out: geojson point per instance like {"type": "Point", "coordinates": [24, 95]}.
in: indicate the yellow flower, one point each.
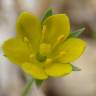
{"type": "Point", "coordinates": [43, 50]}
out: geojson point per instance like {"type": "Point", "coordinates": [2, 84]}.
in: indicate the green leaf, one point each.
{"type": "Point", "coordinates": [74, 68]}
{"type": "Point", "coordinates": [38, 82]}
{"type": "Point", "coordinates": [77, 33]}
{"type": "Point", "coordinates": [47, 14]}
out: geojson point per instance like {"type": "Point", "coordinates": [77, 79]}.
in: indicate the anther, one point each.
{"type": "Point", "coordinates": [61, 54]}
{"type": "Point", "coordinates": [60, 38]}
{"type": "Point", "coordinates": [48, 61]}
{"type": "Point", "coordinates": [31, 56]}
{"type": "Point", "coordinates": [26, 39]}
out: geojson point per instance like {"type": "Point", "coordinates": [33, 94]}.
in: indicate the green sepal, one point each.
{"type": "Point", "coordinates": [74, 68]}
{"type": "Point", "coordinates": [38, 82]}
{"type": "Point", "coordinates": [47, 14]}
{"type": "Point", "coordinates": [77, 33]}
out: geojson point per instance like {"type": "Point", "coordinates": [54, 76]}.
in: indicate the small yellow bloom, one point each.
{"type": "Point", "coordinates": [43, 50]}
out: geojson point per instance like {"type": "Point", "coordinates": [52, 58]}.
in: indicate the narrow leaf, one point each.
{"type": "Point", "coordinates": [47, 14]}
{"type": "Point", "coordinates": [77, 33]}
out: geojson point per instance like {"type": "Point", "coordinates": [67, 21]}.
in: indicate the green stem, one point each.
{"type": "Point", "coordinates": [27, 87]}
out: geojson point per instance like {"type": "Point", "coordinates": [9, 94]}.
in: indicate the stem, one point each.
{"type": "Point", "coordinates": [27, 87]}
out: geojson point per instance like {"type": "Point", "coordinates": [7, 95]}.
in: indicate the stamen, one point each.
{"type": "Point", "coordinates": [48, 62]}
{"type": "Point", "coordinates": [61, 55]}
{"type": "Point", "coordinates": [32, 58]}
{"type": "Point", "coordinates": [26, 39]}
{"type": "Point", "coordinates": [43, 32]}
{"type": "Point", "coordinates": [60, 39]}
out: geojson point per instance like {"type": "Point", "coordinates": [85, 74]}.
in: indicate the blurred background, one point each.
{"type": "Point", "coordinates": [82, 13]}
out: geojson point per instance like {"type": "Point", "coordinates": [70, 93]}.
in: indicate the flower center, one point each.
{"type": "Point", "coordinates": [43, 52]}
{"type": "Point", "coordinates": [41, 58]}
{"type": "Point", "coordinates": [45, 49]}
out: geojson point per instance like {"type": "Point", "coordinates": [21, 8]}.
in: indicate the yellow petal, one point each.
{"type": "Point", "coordinates": [34, 70]}
{"type": "Point", "coordinates": [56, 26]}
{"type": "Point", "coordinates": [16, 50]}
{"type": "Point", "coordinates": [73, 48]}
{"type": "Point", "coordinates": [29, 26]}
{"type": "Point", "coordinates": [57, 70]}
